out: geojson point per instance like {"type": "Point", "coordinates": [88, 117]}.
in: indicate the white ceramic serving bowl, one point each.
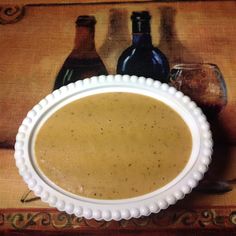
{"type": "Point", "coordinates": [143, 205]}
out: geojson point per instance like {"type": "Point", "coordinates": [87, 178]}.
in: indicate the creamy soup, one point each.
{"type": "Point", "coordinates": [113, 146]}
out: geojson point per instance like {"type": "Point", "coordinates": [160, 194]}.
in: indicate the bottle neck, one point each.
{"type": "Point", "coordinates": [141, 33]}
{"type": "Point", "coordinates": [142, 40]}
{"type": "Point", "coordinates": [167, 25]}
{"type": "Point", "coordinates": [84, 40]}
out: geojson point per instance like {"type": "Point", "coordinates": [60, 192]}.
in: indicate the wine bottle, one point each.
{"type": "Point", "coordinates": [142, 58]}
{"type": "Point", "coordinates": [84, 60]}
{"type": "Point", "coordinates": [170, 42]}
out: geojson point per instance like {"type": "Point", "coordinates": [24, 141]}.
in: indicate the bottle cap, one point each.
{"type": "Point", "coordinates": [140, 15]}
{"type": "Point", "coordinates": [85, 20]}
{"type": "Point", "coordinates": [141, 22]}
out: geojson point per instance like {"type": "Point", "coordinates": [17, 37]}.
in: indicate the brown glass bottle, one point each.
{"type": "Point", "coordinates": [84, 60]}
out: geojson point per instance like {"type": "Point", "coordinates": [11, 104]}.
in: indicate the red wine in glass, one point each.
{"type": "Point", "coordinates": [204, 84]}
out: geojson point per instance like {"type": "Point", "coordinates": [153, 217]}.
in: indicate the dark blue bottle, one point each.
{"type": "Point", "coordinates": [142, 58]}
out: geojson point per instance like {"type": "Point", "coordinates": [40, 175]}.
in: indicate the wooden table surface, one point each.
{"type": "Point", "coordinates": [36, 37]}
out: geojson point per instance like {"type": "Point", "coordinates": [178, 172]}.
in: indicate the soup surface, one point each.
{"type": "Point", "coordinates": [113, 146]}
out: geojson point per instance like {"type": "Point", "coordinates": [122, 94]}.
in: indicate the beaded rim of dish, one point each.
{"type": "Point", "coordinates": [110, 211]}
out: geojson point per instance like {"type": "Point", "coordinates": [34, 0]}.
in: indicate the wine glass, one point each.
{"type": "Point", "coordinates": [203, 83]}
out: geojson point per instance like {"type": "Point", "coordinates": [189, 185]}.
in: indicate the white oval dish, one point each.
{"type": "Point", "coordinates": [107, 210]}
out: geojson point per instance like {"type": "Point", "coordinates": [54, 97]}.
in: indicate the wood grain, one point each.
{"type": "Point", "coordinates": [37, 2]}
{"type": "Point", "coordinates": [34, 48]}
